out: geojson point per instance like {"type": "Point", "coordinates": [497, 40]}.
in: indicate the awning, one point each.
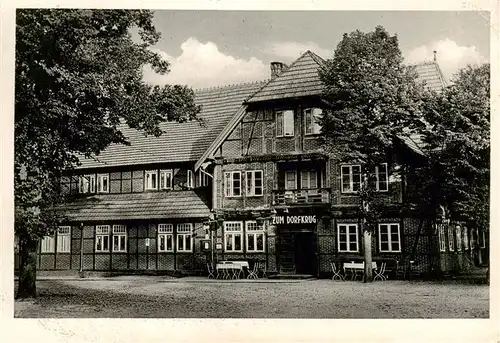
{"type": "Point", "coordinates": [146, 205]}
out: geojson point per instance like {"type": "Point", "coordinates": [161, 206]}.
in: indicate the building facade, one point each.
{"type": "Point", "coordinates": [252, 183]}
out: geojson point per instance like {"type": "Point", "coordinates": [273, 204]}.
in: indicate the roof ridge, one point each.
{"type": "Point", "coordinates": [202, 89]}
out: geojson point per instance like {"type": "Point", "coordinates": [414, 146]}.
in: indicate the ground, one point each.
{"type": "Point", "coordinates": [161, 297]}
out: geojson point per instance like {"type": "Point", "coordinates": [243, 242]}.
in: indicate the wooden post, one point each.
{"type": "Point", "coordinates": [81, 249]}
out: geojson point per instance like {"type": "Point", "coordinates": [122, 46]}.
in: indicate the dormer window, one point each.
{"type": "Point", "coordinates": [284, 123]}
{"type": "Point", "coordinates": [165, 179]}
{"type": "Point", "coordinates": [190, 179]}
{"type": "Point", "coordinates": [151, 180]}
{"type": "Point", "coordinates": [102, 183]}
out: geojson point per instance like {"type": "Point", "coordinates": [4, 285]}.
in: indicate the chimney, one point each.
{"type": "Point", "coordinates": [435, 55]}
{"type": "Point", "coordinates": [277, 68]}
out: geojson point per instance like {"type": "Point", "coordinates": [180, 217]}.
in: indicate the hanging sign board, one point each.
{"type": "Point", "coordinates": [294, 220]}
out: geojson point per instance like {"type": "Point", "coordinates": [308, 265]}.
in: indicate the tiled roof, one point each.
{"type": "Point", "coordinates": [180, 141]}
{"type": "Point", "coordinates": [146, 205]}
{"type": "Point", "coordinates": [430, 74]}
{"type": "Point", "coordinates": [300, 79]}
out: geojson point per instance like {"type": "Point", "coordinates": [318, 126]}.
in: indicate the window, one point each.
{"type": "Point", "coordinates": [64, 239]}
{"type": "Point", "coordinates": [451, 241]}
{"type": "Point", "coordinates": [47, 244]}
{"type": "Point", "coordinates": [254, 183]}
{"type": "Point", "coordinates": [119, 238]}
{"type": "Point", "coordinates": [151, 180]}
{"type": "Point", "coordinates": [284, 123]}
{"type": "Point", "coordinates": [382, 178]}
{"type": "Point", "coordinates": [165, 179]}
{"type": "Point", "coordinates": [102, 238]}
{"type": "Point", "coordinates": [232, 236]}
{"type": "Point", "coordinates": [184, 237]}
{"type": "Point", "coordinates": [351, 178]}
{"type": "Point", "coordinates": [466, 239]}
{"type": "Point", "coordinates": [308, 179]}
{"type": "Point", "coordinates": [312, 117]}
{"type": "Point", "coordinates": [203, 179]}
{"type": "Point", "coordinates": [102, 183]}
{"type": "Point", "coordinates": [255, 237]}
{"type": "Point", "coordinates": [190, 180]}
{"type": "Point", "coordinates": [347, 237]}
{"type": "Point", "coordinates": [232, 184]}
{"type": "Point", "coordinates": [290, 180]}
{"type": "Point", "coordinates": [458, 234]}
{"type": "Point", "coordinates": [441, 237]}
{"type": "Point", "coordinates": [86, 184]}
{"type": "Point", "coordinates": [389, 238]}
{"type": "Point", "coordinates": [483, 239]}
{"type": "Point", "coordinates": [165, 237]}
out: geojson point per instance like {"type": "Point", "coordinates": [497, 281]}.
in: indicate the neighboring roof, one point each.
{"type": "Point", "coordinates": [145, 205]}
{"type": "Point", "coordinates": [300, 79]}
{"type": "Point", "coordinates": [180, 141]}
{"type": "Point", "coordinates": [430, 74]}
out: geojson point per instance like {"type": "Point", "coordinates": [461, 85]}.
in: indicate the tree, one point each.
{"type": "Point", "coordinates": [78, 78]}
{"type": "Point", "coordinates": [371, 98]}
{"type": "Point", "coordinates": [457, 143]}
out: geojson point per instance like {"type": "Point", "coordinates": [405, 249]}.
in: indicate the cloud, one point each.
{"type": "Point", "coordinates": [292, 50]}
{"type": "Point", "coordinates": [450, 56]}
{"type": "Point", "coordinates": [203, 65]}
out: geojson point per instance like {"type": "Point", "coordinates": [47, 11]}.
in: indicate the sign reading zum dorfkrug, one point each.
{"type": "Point", "coordinates": [290, 220]}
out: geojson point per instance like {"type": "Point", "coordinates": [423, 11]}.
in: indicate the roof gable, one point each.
{"type": "Point", "coordinates": [300, 79]}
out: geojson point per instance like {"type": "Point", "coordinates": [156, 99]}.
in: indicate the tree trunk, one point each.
{"type": "Point", "coordinates": [367, 244]}
{"type": "Point", "coordinates": [27, 270]}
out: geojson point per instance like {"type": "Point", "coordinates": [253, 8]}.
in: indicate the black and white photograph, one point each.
{"type": "Point", "coordinates": [250, 164]}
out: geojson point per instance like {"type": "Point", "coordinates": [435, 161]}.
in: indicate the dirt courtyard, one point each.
{"type": "Point", "coordinates": [160, 297]}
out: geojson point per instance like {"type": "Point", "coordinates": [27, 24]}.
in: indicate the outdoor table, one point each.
{"type": "Point", "coordinates": [231, 267]}
{"type": "Point", "coordinates": [357, 268]}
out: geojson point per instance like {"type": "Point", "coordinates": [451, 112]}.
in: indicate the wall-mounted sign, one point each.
{"type": "Point", "coordinates": [293, 220]}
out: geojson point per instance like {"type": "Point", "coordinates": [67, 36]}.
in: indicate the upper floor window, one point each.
{"type": "Point", "coordinates": [351, 178]}
{"type": "Point", "coordinates": [232, 184]}
{"type": "Point", "coordinates": [284, 123]}
{"type": "Point", "coordinates": [254, 183]}
{"type": "Point", "coordinates": [389, 238]}
{"type": "Point", "coordinates": [165, 179]}
{"type": "Point", "coordinates": [64, 239]}
{"type": "Point", "coordinates": [347, 237]}
{"type": "Point", "coordinates": [86, 184]}
{"type": "Point", "coordinates": [102, 183]}
{"type": "Point", "coordinates": [382, 178]}
{"type": "Point", "coordinates": [190, 179]}
{"type": "Point", "coordinates": [203, 179]}
{"type": "Point", "coordinates": [151, 180]}
{"type": "Point", "coordinates": [312, 117]}
{"type": "Point", "coordinates": [308, 179]}
{"type": "Point", "coordinates": [291, 179]}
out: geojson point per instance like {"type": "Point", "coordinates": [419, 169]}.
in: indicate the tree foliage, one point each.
{"type": "Point", "coordinates": [457, 142]}
{"type": "Point", "coordinates": [78, 79]}
{"type": "Point", "coordinates": [371, 98]}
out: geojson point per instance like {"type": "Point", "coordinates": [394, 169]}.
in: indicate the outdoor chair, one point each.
{"type": "Point", "coordinates": [252, 273]}
{"type": "Point", "coordinates": [210, 269]}
{"type": "Point", "coordinates": [380, 273]}
{"type": "Point", "coordinates": [262, 268]}
{"type": "Point", "coordinates": [336, 273]}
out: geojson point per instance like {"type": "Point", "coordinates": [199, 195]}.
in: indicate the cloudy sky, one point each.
{"type": "Point", "coordinates": [212, 48]}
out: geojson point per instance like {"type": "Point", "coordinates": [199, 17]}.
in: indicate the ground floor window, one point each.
{"type": "Point", "coordinates": [255, 237]}
{"type": "Point", "coordinates": [119, 238]}
{"type": "Point", "coordinates": [64, 239]}
{"type": "Point", "coordinates": [389, 238]}
{"type": "Point", "coordinates": [466, 239]}
{"type": "Point", "coordinates": [347, 238]}
{"type": "Point", "coordinates": [184, 237]}
{"type": "Point", "coordinates": [233, 236]}
{"type": "Point", "coordinates": [451, 241]}
{"type": "Point", "coordinates": [102, 238]}
{"type": "Point", "coordinates": [165, 238]}
{"type": "Point", "coordinates": [441, 237]}
{"type": "Point", "coordinates": [47, 244]}
{"type": "Point", "coordinates": [458, 234]}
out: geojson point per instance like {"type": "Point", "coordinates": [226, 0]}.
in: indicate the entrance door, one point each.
{"type": "Point", "coordinates": [305, 258]}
